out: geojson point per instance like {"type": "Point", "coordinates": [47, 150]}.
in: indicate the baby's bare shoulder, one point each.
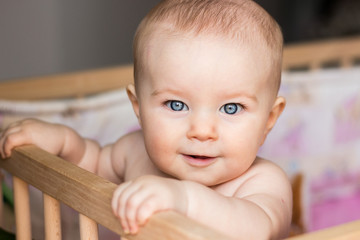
{"type": "Point", "coordinates": [132, 141]}
{"type": "Point", "coordinates": [131, 148]}
{"type": "Point", "coordinates": [127, 146]}
{"type": "Point", "coordinates": [263, 177]}
{"type": "Point", "coordinates": [265, 174]}
{"type": "Point", "coordinates": [266, 167]}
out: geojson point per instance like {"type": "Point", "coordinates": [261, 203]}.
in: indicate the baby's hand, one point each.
{"type": "Point", "coordinates": [31, 131]}
{"type": "Point", "coordinates": [135, 201]}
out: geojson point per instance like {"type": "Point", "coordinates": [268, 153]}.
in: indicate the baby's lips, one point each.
{"type": "Point", "coordinates": [199, 156]}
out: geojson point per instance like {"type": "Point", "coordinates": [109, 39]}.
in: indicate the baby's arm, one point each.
{"type": "Point", "coordinates": [259, 209]}
{"type": "Point", "coordinates": [108, 162]}
{"type": "Point", "coordinates": [256, 206]}
{"type": "Point", "coordinates": [111, 164]}
{"type": "Point", "coordinates": [54, 138]}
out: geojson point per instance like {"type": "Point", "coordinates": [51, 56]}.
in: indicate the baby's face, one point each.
{"type": "Point", "coordinates": [204, 107]}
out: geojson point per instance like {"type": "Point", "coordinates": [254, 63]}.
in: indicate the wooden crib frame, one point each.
{"type": "Point", "coordinates": [64, 182]}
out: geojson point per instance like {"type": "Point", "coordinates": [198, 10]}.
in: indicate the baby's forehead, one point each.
{"type": "Point", "coordinates": [211, 51]}
{"type": "Point", "coordinates": [158, 34]}
{"type": "Point", "coordinates": [160, 40]}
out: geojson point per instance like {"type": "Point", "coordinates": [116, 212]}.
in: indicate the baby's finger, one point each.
{"type": "Point", "coordinates": [116, 197]}
{"type": "Point", "coordinates": [4, 140]}
{"type": "Point", "coordinates": [145, 210]}
{"type": "Point", "coordinates": [10, 128]}
{"type": "Point", "coordinates": [2, 153]}
{"type": "Point", "coordinates": [118, 203]}
{"type": "Point", "coordinates": [12, 140]}
{"type": "Point", "coordinates": [13, 124]}
{"type": "Point", "coordinates": [2, 144]}
{"type": "Point", "coordinates": [131, 209]}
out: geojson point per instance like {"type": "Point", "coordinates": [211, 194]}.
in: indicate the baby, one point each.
{"type": "Point", "coordinates": [207, 74]}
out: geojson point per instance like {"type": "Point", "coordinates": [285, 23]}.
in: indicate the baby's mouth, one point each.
{"type": "Point", "coordinates": [200, 157]}
{"type": "Point", "coordinates": [199, 160]}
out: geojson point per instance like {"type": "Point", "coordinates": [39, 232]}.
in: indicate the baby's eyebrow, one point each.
{"type": "Point", "coordinates": [165, 90]}
{"type": "Point", "coordinates": [243, 95]}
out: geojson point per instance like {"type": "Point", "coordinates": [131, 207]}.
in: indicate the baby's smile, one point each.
{"type": "Point", "coordinates": [199, 160]}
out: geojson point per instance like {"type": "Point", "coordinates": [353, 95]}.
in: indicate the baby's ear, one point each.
{"type": "Point", "coordinates": [130, 90]}
{"type": "Point", "coordinates": [274, 114]}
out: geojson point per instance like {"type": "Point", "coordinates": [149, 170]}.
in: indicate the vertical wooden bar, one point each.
{"type": "Point", "coordinates": [22, 209]}
{"type": "Point", "coordinates": [52, 218]}
{"type": "Point", "coordinates": [88, 228]}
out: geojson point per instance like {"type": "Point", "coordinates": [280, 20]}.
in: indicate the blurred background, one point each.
{"type": "Point", "coordinates": [42, 37]}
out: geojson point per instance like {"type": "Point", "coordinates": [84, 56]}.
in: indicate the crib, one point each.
{"type": "Point", "coordinates": [60, 181]}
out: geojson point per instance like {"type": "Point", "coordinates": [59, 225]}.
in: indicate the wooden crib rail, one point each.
{"type": "Point", "coordinates": [344, 52]}
{"type": "Point", "coordinates": [67, 85]}
{"type": "Point", "coordinates": [91, 195]}
{"type": "Point", "coordinates": [347, 231]}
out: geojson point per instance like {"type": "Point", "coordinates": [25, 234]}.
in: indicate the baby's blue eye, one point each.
{"type": "Point", "coordinates": [231, 108]}
{"type": "Point", "coordinates": [176, 105]}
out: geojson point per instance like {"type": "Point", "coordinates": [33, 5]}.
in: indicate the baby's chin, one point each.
{"type": "Point", "coordinates": [208, 180]}
{"type": "Point", "coordinates": [204, 176]}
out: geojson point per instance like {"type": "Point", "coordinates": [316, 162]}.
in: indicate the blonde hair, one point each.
{"type": "Point", "coordinates": [242, 21]}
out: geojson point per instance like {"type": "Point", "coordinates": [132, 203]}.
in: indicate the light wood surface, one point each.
{"type": "Point", "coordinates": [91, 195]}
{"type": "Point", "coordinates": [22, 208]}
{"type": "Point", "coordinates": [68, 85]}
{"type": "Point", "coordinates": [347, 231]}
{"type": "Point", "coordinates": [52, 218]}
{"type": "Point", "coordinates": [88, 228]}
{"type": "Point", "coordinates": [314, 55]}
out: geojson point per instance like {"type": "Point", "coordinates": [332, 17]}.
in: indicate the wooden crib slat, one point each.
{"type": "Point", "coordinates": [22, 209]}
{"type": "Point", "coordinates": [88, 228]}
{"type": "Point", "coordinates": [52, 218]}
{"type": "Point", "coordinates": [91, 195]}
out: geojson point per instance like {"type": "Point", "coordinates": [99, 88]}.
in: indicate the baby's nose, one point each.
{"type": "Point", "coordinates": [203, 127]}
